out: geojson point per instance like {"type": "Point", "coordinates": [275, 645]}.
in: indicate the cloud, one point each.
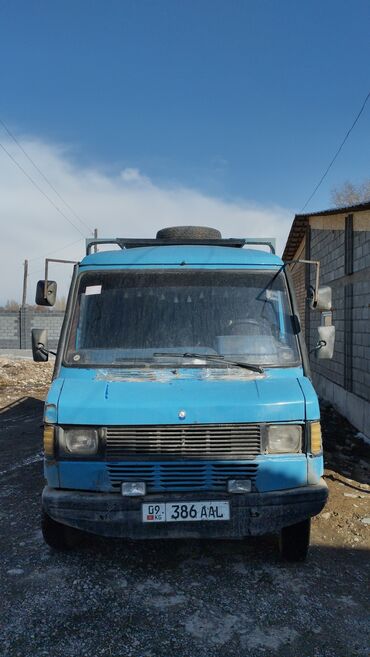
{"type": "Point", "coordinates": [128, 204]}
{"type": "Point", "coordinates": [134, 176]}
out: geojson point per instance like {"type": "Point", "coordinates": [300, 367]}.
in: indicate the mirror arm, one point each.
{"type": "Point", "coordinates": [320, 344]}
{"type": "Point", "coordinates": [46, 352]}
{"type": "Point", "coordinates": [47, 260]}
{"type": "Point", "coordinates": [317, 275]}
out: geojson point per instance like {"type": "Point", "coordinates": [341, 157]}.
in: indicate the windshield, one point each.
{"type": "Point", "coordinates": [152, 317]}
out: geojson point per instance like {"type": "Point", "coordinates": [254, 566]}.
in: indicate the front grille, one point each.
{"type": "Point", "coordinates": [239, 441]}
{"type": "Point", "coordinates": [177, 477]}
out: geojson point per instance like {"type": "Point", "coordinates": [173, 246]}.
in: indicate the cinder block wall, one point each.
{"type": "Point", "coordinates": [327, 246]}
{"type": "Point", "coordinates": [342, 244]}
{"type": "Point", "coordinates": [52, 321]}
{"type": "Point", "coordinates": [15, 327]}
{"type": "Point", "coordinates": [9, 330]}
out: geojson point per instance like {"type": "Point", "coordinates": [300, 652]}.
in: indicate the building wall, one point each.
{"type": "Point", "coordinates": [9, 330]}
{"type": "Point", "coordinates": [342, 244]}
{"type": "Point", "coordinates": [15, 327]}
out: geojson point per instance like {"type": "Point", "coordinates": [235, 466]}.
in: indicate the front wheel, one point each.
{"type": "Point", "coordinates": [295, 540]}
{"type": "Point", "coordinates": [58, 536]}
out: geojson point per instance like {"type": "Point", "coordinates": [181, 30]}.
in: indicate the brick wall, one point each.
{"type": "Point", "coordinates": [15, 327]}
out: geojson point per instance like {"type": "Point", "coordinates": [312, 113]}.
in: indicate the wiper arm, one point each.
{"type": "Point", "coordinates": [222, 359]}
{"type": "Point", "coordinates": [215, 357]}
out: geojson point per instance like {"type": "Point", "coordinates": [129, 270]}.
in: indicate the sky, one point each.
{"type": "Point", "coordinates": [146, 113]}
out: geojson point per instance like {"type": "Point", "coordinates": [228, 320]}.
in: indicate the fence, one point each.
{"type": "Point", "coordinates": [15, 327]}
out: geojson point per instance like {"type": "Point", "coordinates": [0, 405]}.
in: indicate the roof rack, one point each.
{"type": "Point", "coordinates": [131, 243]}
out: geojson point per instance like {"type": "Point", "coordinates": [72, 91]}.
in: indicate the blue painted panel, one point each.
{"type": "Point", "coordinates": [180, 476]}
{"type": "Point", "coordinates": [84, 475]}
{"type": "Point", "coordinates": [268, 473]}
{"type": "Point", "coordinates": [174, 255]}
{"type": "Point", "coordinates": [177, 265]}
{"type": "Point", "coordinates": [279, 472]}
{"type": "Point", "coordinates": [51, 473]}
{"type": "Point", "coordinates": [53, 398]}
{"type": "Point", "coordinates": [50, 413]}
{"type": "Point", "coordinates": [312, 402]}
{"type": "Point", "coordinates": [315, 469]}
{"type": "Point", "coordinates": [156, 402]}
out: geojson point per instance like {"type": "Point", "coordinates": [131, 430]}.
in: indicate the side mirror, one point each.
{"type": "Point", "coordinates": [325, 345]}
{"type": "Point", "coordinates": [322, 300]}
{"type": "Point", "coordinates": [40, 345]}
{"type": "Point", "coordinates": [46, 297]}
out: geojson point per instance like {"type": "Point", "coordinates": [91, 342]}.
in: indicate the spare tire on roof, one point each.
{"type": "Point", "coordinates": [188, 232]}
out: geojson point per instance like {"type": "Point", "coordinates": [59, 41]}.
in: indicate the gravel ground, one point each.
{"type": "Point", "coordinates": [183, 599]}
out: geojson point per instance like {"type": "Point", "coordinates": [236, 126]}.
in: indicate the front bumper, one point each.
{"type": "Point", "coordinates": [251, 514]}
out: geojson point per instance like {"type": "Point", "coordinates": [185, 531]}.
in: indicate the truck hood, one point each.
{"type": "Point", "coordinates": [121, 400]}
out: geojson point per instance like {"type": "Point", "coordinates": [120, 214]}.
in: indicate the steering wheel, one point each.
{"type": "Point", "coordinates": [247, 326]}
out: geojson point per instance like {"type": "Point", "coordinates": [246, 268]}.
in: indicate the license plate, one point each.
{"type": "Point", "coordinates": [186, 511]}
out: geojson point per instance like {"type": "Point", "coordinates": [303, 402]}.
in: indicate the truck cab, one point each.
{"type": "Point", "coordinates": [181, 404]}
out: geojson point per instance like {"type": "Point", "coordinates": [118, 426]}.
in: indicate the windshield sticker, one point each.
{"type": "Point", "coordinates": [93, 289]}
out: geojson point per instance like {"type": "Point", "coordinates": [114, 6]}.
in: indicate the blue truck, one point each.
{"type": "Point", "coordinates": [181, 404]}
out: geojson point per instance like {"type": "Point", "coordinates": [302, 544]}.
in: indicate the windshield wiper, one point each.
{"type": "Point", "coordinates": [210, 357]}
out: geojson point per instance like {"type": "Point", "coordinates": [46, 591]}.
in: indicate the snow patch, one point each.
{"type": "Point", "coordinates": [362, 437]}
{"type": "Point", "coordinates": [215, 630]}
{"type": "Point", "coordinates": [28, 461]}
{"type": "Point", "coordinates": [15, 571]}
{"type": "Point", "coordinates": [271, 638]}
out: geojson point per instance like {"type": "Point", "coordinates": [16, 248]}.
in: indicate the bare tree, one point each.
{"type": "Point", "coordinates": [350, 194]}
{"type": "Point", "coordinates": [11, 305]}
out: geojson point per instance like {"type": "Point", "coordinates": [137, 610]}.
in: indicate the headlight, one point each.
{"type": "Point", "coordinates": [284, 438]}
{"type": "Point", "coordinates": [82, 441]}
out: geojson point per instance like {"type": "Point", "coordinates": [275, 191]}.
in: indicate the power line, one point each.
{"type": "Point", "coordinates": [40, 189]}
{"type": "Point", "coordinates": [43, 176]}
{"type": "Point", "coordinates": [337, 152]}
{"type": "Point", "coordinates": [61, 248]}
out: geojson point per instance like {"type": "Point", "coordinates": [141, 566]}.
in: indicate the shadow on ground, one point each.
{"type": "Point", "coordinates": [344, 453]}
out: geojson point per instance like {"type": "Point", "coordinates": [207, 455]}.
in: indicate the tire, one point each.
{"type": "Point", "coordinates": [188, 232]}
{"type": "Point", "coordinates": [295, 540]}
{"type": "Point", "coordinates": [57, 536]}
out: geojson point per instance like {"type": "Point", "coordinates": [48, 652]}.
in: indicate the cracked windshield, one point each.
{"type": "Point", "coordinates": [156, 318]}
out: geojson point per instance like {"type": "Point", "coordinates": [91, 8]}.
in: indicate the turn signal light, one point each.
{"type": "Point", "coordinates": [316, 440]}
{"type": "Point", "coordinates": [49, 441]}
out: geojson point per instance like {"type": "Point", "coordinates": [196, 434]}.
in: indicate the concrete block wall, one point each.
{"type": "Point", "coordinates": [328, 247]}
{"type": "Point", "coordinates": [361, 339]}
{"type": "Point", "coordinates": [52, 321]}
{"type": "Point", "coordinates": [9, 330]}
{"type": "Point", "coordinates": [361, 249]}
{"type": "Point", "coordinates": [331, 369]}
{"type": "Point", "coordinates": [344, 380]}
{"type": "Point", "coordinates": [15, 327]}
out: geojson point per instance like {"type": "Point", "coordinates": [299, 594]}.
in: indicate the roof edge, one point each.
{"type": "Point", "coordinates": [300, 223]}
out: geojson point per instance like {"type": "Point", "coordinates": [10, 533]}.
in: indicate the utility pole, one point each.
{"type": "Point", "coordinates": [25, 277]}
{"type": "Point", "coordinates": [95, 237]}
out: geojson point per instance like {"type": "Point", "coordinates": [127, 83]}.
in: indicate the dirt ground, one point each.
{"type": "Point", "coordinates": [183, 599]}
